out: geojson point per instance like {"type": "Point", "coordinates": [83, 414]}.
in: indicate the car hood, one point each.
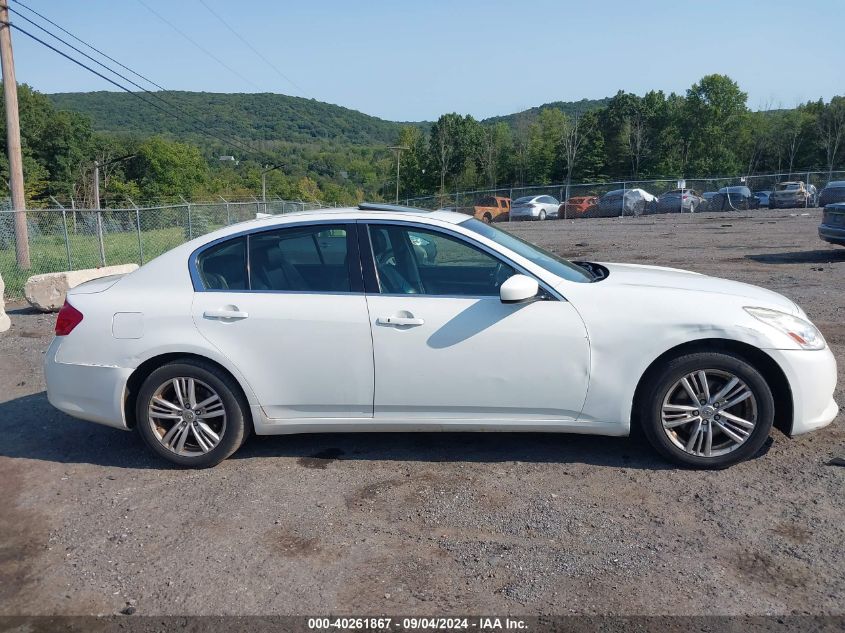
{"type": "Point", "coordinates": [684, 280]}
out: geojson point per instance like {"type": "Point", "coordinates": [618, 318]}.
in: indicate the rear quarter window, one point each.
{"type": "Point", "coordinates": [223, 266]}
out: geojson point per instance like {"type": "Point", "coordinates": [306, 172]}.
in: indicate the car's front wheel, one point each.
{"type": "Point", "coordinates": [707, 410]}
{"type": "Point", "coordinates": [191, 414]}
{"type": "Point", "coordinates": [542, 215]}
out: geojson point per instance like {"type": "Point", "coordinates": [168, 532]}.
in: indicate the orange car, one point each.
{"type": "Point", "coordinates": [578, 205]}
{"type": "Point", "coordinates": [492, 209]}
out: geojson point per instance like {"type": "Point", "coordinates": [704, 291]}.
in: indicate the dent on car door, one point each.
{"type": "Point", "coordinates": [447, 348]}
{"type": "Point", "coordinates": [294, 320]}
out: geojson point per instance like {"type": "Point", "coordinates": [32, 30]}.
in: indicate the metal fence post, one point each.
{"type": "Point", "coordinates": [64, 226]}
{"type": "Point", "coordinates": [228, 217]}
{"type": "Point", "coordinates": [67, 239]}
{"type": "Point", "coordinates": [138, 225]}
{"type": "Point", "coordinates": [190, 225]}
{"type": "Point", "coordinates": [100, 238]}
{"type": "Point", "coordinates": [622, 211]}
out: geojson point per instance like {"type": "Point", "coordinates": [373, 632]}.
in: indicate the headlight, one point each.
{"type": "Point", "coordinates": [802, 332]}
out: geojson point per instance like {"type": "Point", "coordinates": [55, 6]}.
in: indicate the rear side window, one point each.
{"type": "Point", "coordinates": [223, 267]}
{"type": "Point", "coordinates": [309, 259]}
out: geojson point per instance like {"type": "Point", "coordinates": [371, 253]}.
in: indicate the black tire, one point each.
{"type": "Point", "coordinates": [661, 382]}
{"type": "Point", "coordinates": [237, 426]}
{"type": "Point", "coordinates": [542, 215]}
{"type": "Point", "coordinates": [487, 219]}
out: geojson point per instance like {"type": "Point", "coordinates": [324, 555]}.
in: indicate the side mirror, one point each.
{"type": "Point", "coordinates": [519, 289]}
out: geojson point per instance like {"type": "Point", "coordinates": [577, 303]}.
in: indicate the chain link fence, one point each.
{"type": "Point", "coordinates": [622, 198]}
{"type": "Point", "coordinates": [72, 239]}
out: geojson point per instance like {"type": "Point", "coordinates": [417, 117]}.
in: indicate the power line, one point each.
{"type": "Point", "coordinates": [252, 48]}
{"type": "Point", "coordinates": [125, 89]}
{"type": "Point", "coordinates": [231, 141]}
{"type": "Point", "coordinates": [65, 31]}
{"type": "Point", "coordinates": [197, 44]}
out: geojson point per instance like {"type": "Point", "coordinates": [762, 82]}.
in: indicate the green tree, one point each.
{"type": "Point", "coordinates": [714, 112]}
{"type": "Point", "coordinates": [169, 169]}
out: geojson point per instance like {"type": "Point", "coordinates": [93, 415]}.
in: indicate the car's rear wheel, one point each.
{"type": "Point", "coordinates": [191, 414]}
{"type": "Point", "coordinates": [707, 410]}
{"type": "Point", "coordinates": [487, 218]}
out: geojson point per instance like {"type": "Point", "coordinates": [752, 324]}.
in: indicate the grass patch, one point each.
{"type": "Point", "coordinates": [48, 253]}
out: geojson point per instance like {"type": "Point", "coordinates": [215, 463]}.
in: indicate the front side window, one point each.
{"type": "Point", "coordinates": [536, 255]}
{"type": "Point", "coordinates": [223, 266]}
{"type": "Point", "coordinates": [308, 259]}
{"type": "Point", "coordinates": [411, 260]}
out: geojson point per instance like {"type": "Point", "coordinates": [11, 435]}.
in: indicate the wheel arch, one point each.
{"type": "Point", "coordinates": [762, 362]}
{"type": "Point", "coordinates": [136, 379]}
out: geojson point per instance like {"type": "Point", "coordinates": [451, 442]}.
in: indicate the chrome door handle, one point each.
{"type": "Point", "coordinates": [225, 314]}
{"type": "Point", "coordinates": [396, 320]}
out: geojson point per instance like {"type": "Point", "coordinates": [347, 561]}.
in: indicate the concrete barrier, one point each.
{"type": "Point", "coordinates": [5, 323]}
{"type": "Point", "coordinates": [47, 292]}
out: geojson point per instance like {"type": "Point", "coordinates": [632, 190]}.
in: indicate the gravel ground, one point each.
{"type": "Point", "coordinates": [439, 524]}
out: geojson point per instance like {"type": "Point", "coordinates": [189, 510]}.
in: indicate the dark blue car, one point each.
{"type": "Point", "coordinates": [832, 228]}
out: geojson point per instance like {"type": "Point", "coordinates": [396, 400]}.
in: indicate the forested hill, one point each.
{"type": "Point", "coordinates": [260, 117]}
{"type": "Point", "coordinates": [521, 120]}
{"type": "Point", "coordinates": [248, 116]}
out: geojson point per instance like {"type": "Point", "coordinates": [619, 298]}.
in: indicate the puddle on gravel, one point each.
{"type": "Point", "coordinates": [321, 459]}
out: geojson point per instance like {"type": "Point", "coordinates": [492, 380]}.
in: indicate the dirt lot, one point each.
{"type": "Point", "coordinates": [439, 524]}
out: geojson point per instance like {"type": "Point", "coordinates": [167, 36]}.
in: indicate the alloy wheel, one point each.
{"type": "Point", "coordinates": [187, 416]}
{"type": "Point", "coordinates": [709, 412]}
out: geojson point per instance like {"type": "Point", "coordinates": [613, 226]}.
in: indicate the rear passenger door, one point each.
{"type": "Point", "coordinates": [287, 307]}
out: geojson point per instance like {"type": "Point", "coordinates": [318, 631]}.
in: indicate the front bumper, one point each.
{"type": "Point", "coordinates": [812, 378]}
{"type": "Point", "coordinates": [791, 202]}
{"type": "Point", "coordinates": [89, 392]}
{"type": "Point", "coordinates": [832, 234]}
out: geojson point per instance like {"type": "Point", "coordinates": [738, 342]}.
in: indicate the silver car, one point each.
{"type": "Point", "coordinates": [534, 208]}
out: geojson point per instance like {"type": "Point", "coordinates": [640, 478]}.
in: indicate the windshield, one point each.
{"type": "Point", "coordinates": [536, 255]}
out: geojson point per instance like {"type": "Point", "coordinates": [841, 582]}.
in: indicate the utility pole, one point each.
{"type": "Point", "coordinates": [267, 170]}
{"type": "Point", "coordinates": [398, 149]}
{"type": "Point", "coordinates": [13, 138]}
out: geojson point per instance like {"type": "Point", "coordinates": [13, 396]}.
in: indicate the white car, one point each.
{"type": "Point", "coordinates": [534, 208]}
{"type": "Point", "coordinates": [383, 319]}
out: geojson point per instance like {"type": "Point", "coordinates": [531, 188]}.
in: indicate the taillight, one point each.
{"type": "Point", "coordinates": [69, 317]}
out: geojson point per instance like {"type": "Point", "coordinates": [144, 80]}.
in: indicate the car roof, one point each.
{"type": "Point", "coordinates": [366, 211]}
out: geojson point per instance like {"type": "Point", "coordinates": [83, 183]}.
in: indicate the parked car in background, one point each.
{"type": "Point", "coordinates": [492, 209]}
{"type": "Point", "coordinates": [762, 198]}
{"type": "Point", "coordinates": [733, 199]}
{"type": "Point", "coordinates": [534, 208]}
{"type": "Point", "coordinates": [792, 194]}
{"type": "Point", "coordinates": [625, 202]}
{"type": "Point", "coordinates": [832, 228]}
{"type": "Point", "coordinates": [834, 191]}
{"type": "Point", "coordinates": [707, 196]}
{"type": "Point", "coordinates": [679, 200]}
{"type": "Point", "coordinates": [331, 321]}
{"type": "Point", "coordinates": [578, 205]}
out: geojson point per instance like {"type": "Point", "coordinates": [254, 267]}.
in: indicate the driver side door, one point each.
{"type": "Point", "coordinates": [446, 348]}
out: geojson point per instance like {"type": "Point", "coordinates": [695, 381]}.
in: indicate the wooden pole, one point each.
{"type": "Point", "coordinates": [13, 138]}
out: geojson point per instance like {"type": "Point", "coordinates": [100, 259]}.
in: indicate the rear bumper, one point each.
{"type": "Point", "coordinates": [812, 378]}
{"type": "Point", "coordinates": [520, 214]}
{"type": "Point", "coordinates": [88, 392]}
{"type": "Point", "coordinates": [832, 234]}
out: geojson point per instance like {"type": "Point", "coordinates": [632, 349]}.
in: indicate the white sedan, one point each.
{"type": "Point", "coordinates": [534, 208]}
{"type": "Point", "coordinates": [384, 319]}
